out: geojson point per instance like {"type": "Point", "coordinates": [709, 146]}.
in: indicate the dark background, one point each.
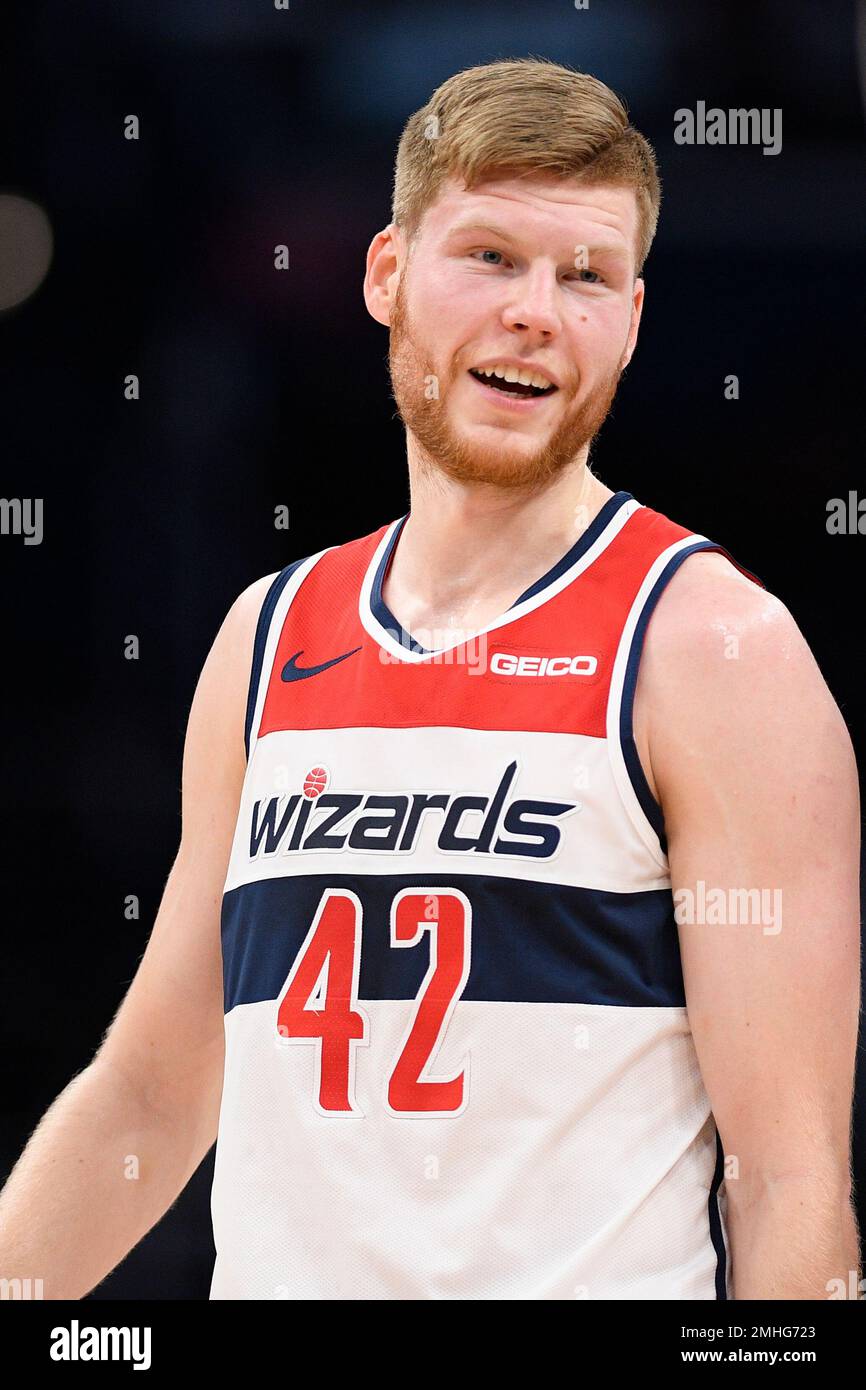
{"type": "Point", "coordinates": [261, 388]}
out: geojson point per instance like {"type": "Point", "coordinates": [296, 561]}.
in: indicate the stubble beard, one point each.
{"type": "Point", "coordinates": [421, 399]}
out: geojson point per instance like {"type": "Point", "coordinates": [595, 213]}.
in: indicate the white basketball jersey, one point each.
{"type": "Point", "coordinates": [458, 1059]}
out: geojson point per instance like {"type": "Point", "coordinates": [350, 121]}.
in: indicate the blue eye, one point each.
{"type": "Point", "coordinates": [585, 271]}
{"type": "Point", "coordinates": [486, 254]}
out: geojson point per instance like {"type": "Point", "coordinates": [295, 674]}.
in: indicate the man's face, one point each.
{"type": "Point", "coordinates": [518, 273]}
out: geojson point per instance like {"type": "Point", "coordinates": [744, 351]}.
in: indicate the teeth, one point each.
{"type": "Point", "coordinates": [524, 377]}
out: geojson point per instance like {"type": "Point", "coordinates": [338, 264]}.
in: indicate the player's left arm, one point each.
{"type": "Point", "coordinates": [752, 763]}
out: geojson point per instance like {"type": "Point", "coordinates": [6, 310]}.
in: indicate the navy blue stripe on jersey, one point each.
{"type": "Point", "coordinates": [648, 803]}
{"type": "Point", "coordinates": [580, 547]}
{"type": "Point", "coordinates": [270, 603]}
{"type": "Point", "coordinates": [379, 607]}
{"type": "Point", "coordinates": [716, 1235]}
{"type": "Point", "coordinates": [531, 942]}
{"type": "Point", "coordinates": [383, 614]}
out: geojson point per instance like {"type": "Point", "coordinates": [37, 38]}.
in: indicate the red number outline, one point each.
{"type": "Point", "coordinates": [327, 1085]}
{"type": "Point", "coordinates": [417, 1051]}
{"type": "Point", "coordinates": [409, 1091]}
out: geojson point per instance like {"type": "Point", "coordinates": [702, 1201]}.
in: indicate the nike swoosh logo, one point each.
{"type": "Point", "coordinates": [293, 672]}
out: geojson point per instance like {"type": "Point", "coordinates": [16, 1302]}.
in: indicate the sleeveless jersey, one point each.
{"type": "Point", "coordinates": [458, 1058]}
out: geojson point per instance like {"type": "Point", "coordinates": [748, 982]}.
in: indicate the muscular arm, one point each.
{"type": "Point", "coordinates": [122, 1140]}
{"type": "Point", "coordinates": [751, 761]}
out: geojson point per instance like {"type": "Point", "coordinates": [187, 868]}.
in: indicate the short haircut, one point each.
{"type": "Point", "coordinates": [524, 116]}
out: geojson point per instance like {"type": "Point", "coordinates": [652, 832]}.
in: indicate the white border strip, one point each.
{"type": "Point", "coordinates": [374, 628]}
{"type": "Point", "coordinates": [614, 704]}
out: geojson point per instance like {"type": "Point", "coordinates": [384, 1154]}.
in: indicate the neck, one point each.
{"type": "Point", "coordinates": [468, 551]}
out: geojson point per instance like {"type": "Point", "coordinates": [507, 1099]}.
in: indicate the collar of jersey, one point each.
{"type": "Point", "coordinates": [378, 620]}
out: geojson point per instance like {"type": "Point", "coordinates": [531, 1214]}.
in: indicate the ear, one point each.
{"type": "Point", "coordinates": [636, 311]}
{"type": "Point", "coordinates": [384, 259]}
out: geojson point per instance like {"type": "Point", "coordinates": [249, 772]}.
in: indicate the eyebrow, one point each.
{"type": "Point", "coordinates": [601, 248]}
{"type": "Point", "coordinates": [480, 227]}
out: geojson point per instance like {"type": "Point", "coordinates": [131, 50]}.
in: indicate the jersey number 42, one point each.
{"type": "Point", "coordinates": [319, 1004]}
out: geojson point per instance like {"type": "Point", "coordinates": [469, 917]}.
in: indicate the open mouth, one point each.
{"type": "Point", "coordinates": [513, 382]}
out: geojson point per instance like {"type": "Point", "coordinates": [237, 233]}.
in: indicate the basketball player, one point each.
{"type": "Point", "coordinates": [530, 821]}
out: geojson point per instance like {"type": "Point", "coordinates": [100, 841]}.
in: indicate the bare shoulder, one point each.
{"type": "Point", "coordinates": [725, 666]}
{"type": "Point", "coordinates": [232, 650]}
{"type": "Point", "coordinates": [215, 733]}
{"type": "Point", "coordinates": [714, 625]}
{"type": "Point", "coordinates": [709, 599]}
{"type": "Point", "coordinates": [243, 616]}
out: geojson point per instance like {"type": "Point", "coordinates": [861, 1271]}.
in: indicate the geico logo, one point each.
{"type": "Point", "coordinates": [504, 664]}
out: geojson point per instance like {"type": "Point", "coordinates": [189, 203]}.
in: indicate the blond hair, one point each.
{"type": "Point", "coordinates": [518, 117]}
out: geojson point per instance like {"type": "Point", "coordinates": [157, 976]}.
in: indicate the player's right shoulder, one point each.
{"type": "Point", "coordinates": [242, 619]}
{"type": "Point", "coordinates": [217, 716]}
{"type": "Point", "coordinates": [228, 661]}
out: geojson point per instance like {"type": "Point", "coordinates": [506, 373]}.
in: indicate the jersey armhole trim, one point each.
{"type": "Point", "coordinates": [650, 808]}
{"type": "Point", "coordinates": [717, 1232]}
{"type": "Point", "coordinates": [266, 614]}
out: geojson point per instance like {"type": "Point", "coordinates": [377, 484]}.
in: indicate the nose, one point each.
{"type": "Point", "coordinates": [532, 306]}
